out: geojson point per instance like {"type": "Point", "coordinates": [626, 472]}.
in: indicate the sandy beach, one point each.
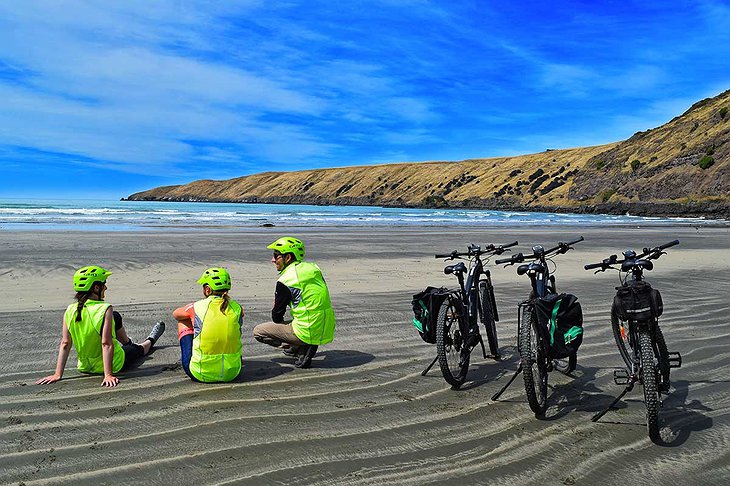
{"type": "Point", "coordinates": [363, 414]}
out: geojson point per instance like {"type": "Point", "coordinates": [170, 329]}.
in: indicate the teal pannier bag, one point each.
{"type": "Point", "coordinates": [561, 322]}
{"type": "Point", "coordinates": [426, 305]}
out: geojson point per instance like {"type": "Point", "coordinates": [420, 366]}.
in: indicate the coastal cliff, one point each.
{"type": "Point", "coordinates": [679, 168]}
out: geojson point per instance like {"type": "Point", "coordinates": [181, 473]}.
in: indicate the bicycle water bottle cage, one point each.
{"type": "Point", "coordinates": [629, 264]}
{"type": "Point", "coordinates": [458, 268]}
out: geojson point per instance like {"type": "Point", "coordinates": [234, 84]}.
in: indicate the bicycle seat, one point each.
{"type": "Point", "coordinates": [458, 268]}
{"type": "Point", "coordinates": [530, 267]}
{"type": "Point", "coordinates": [629, 264]}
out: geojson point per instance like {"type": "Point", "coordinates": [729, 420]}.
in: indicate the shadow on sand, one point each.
{"type": "Point", "coordinates": [336, 358]}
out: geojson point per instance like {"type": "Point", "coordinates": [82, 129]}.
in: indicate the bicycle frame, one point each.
{"type": "Point", "coordinates": [470, 291]}
{"type": "Point", "coordinates": [636, 274]}
{"type": "Point", "coordinates": [457, 327]}
{"type": "Point", "coordinates": [469, 286]}
{"type": "Point", "coordinates": [645, 340]}
{"type": "Point", "coordinates": [542, 283]}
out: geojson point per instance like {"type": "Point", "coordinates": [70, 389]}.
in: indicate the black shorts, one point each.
{"type": "Point", "coordinates": [132, 351]}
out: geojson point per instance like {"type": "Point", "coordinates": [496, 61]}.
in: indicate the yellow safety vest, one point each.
{"type": "Point", "coordinates": [216, 341]}
{"type": "Point", "coordinates": [313, 319]}
{"type": "Point", "coordinates": [86, 336]}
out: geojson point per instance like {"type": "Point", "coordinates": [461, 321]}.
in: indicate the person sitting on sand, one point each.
{"type": "Point", "coordinates": [209, 331]}
{"type": "Point", "coordinates": [96, 331]}
{"type": "Point", "coordinates": [301, 287]}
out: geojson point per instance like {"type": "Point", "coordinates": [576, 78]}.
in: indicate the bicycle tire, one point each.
{"type": "Point", "coordinates": [486, 314]}
{"type": "Point", "coordinates": [534, 362]}
{"type": "Point", "coordinates": [662, 354]}
{"type": "Point", "coordinates": [453, 362]}
{"type": "Point", "coordinates": [623, 339]}
{"type": "Point", "coordinates": [649, 382]}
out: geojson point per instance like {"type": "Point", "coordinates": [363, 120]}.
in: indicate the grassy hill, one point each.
{"type": "Point", "coordinates": [679, 168]}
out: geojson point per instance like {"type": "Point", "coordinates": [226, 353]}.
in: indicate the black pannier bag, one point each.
{"type": "Point", "coordinates": [426, 305]}
{"type": "Point", "coordinates": [561, 322]}
{"type": "Point", "coordinates": [638, 301]}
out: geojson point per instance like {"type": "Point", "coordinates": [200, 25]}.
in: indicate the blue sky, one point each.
{"type": "Point", "coordinates": [103, 99]}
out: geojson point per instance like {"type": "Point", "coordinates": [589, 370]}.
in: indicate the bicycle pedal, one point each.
{"type": "Point", "coordinates": [621, 377]}
{"type": "Point", "coordinates": [675, 360]}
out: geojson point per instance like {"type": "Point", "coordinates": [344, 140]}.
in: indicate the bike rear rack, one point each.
{"type": "Point", "coordinates": [675, 360]}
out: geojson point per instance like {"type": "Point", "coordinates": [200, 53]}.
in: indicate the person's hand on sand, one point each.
{"type": "Point", "coordinates": [110, 381]}
{"type": "Point", "coordinates": [48, 379]}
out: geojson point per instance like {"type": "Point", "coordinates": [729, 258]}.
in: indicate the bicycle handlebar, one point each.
{"type": "Point", "coordinates": [516, 258]}
{"type": "Point", "coordinates": [558, 249]}
{"type": "Point", "coordinates": [563, 247]}
{"type": "Point", "coordinates": [657, 250]}
{"type": "Point", "coordinates": [650, 253]}
{"type": "Point", "coordinates": [452, 255]}
{"type": "Point", "coordinates": [474, 250]}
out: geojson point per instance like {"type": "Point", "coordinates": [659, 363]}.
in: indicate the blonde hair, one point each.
{"type": "Point", "coordinates": [224, 295]}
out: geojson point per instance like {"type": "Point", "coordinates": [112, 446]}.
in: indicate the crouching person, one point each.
{"type": "Point", "coordinates": [209, 331]}
{"type": "Point", "coordinates": [302, 288]}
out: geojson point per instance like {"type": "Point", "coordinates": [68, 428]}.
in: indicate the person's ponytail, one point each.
{"type": "Point", "coordinates": [226, 300]}
{"type": "Point", "coordinates": [82, 297]}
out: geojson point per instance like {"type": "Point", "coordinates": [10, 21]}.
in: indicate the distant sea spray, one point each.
{"type": "Point", "coordinates": [36, 214]}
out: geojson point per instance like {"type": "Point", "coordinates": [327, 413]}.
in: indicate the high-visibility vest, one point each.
{"type": "Point", "coordinates": [216, 340]}
{"type": "Point", "coordinates": [86, 337]}
{"type": "Point", "coordinates": [313, 319]}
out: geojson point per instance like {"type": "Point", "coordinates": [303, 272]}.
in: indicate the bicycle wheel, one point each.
{"type": "Point", "coordinates": [622, 337]}
{"type": "Point", "coordinates": [534, 361]}
{"type": "Point", "coordinates": [451, 350]}
{"type": "Point", "coordinates": [662, 354]}
{"type": "Point", "coordinates": [648, 373]}
{"type": "Point", "coordinates": [486, 314]}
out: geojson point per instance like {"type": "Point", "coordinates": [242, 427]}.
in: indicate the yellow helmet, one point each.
{"type": "Point", "coordinates": [288, 244]}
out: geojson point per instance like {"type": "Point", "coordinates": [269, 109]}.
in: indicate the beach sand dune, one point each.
{"type": "Point", "coordinates": [363, 414]}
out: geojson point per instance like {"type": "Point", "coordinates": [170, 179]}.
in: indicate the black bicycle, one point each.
{"type": "Point", "coordinates": [534, 335]}
{"type": "Point", "coordinates": [635, 323]}
{"type": "Point", "coordinates": [457, 328]}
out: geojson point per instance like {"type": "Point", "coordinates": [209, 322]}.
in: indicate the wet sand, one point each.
{"type": "Point", "coordinates": [363, 414]}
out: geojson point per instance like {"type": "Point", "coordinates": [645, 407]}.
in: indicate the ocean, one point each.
{"type": "Point", "coordinates": [110, 215]}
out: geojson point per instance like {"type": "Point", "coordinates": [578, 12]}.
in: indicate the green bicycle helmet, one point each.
{"type": "Point", "coordinates": [288, 244]}
{"type": "Point", "coordinates": [87, 276]}
{"type": "Point", "coordinates": [216, 278]}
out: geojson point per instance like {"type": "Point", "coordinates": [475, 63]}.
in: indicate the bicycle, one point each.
{"type": "Point", "coordinates": [457, 329]}
{"type": "Point", "coordinates": [635, 324]}
{"type": "Point", "coordinates": [533, 337]}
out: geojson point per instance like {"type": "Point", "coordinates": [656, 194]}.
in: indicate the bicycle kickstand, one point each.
{"type": "Point", "coordinates": [484, 350]}
{"type": "Point", "coordinates": [499, 393]}
{"type": "Point", "coordinates": [629, 386]}
{"type": "Point", "coordinates": [423, 373]}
